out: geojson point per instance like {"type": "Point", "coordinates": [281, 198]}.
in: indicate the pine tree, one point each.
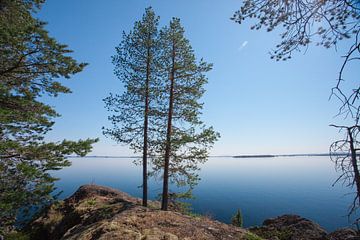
{"type": "Point", "coordinates": [30, 62]}
{"type": "Point", "coordinates": [136, 67]}
{"type": "Point", "coordinates": [186, 141]}
{"type": "Point", "coordinates": [237, 219]}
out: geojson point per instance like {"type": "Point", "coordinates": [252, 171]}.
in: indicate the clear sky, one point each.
{"type": "Point", "coordinates": [258, 105]}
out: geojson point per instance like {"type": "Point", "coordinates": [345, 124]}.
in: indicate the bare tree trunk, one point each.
{"type": "Point", "coordinates": [345, 153]}
{"type": "Point", "coordinates": [354, 164]}
{"type": "Point", "coordinates": [146, 122]}
{"type": "Point", "coordinates": [165, 193]}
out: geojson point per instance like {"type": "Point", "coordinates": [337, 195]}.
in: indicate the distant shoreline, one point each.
{"type": "Point", "coordinates": [290, 155]}
{"type": "Point", "coordinates": [236, 156]}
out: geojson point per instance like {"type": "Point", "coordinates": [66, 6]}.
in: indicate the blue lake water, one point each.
{"type": "Point", "coordinates": [260, 187]}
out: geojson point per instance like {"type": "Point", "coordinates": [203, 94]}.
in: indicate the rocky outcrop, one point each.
{"type": "Point", "coordinates": [344, 234]}
{"type": "Point", "coordinates": [293, 227]}
{"type": "Point", "coordinates": [96, 212]}
{"type": "Point", "coordinates": [290, 227]}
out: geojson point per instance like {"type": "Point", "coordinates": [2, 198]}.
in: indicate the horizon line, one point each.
{"type": "Point", "coordinates": [212, 156]}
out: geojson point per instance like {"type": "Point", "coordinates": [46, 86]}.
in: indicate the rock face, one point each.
{"type": "Point", "coordinates": [293, 227]}
{"type": "Point", "coordinates": [290, 227]}
{"type": "Point", "coordinates": [96, 212]}
{"type": "Point", "coordinates": [344, 234]}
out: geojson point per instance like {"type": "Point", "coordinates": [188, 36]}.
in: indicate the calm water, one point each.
{"type": "Point", "coordinates": [260, 187]}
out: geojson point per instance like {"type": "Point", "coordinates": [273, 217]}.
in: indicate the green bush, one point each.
{"type": "Point", "coordinates": [237, 219]}
{"type": "Point", "coordinates": [251, 236]}
{"type": "Point", "coordinates": [17, 236]}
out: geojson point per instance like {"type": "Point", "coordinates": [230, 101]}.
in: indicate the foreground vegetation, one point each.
{"type": "Point", "coordinates": [31, 61]}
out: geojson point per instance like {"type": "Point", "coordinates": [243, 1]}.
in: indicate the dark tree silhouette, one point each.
{"type": "Point", "coordinates": [345, 154]}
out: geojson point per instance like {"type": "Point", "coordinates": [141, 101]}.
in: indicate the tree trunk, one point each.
{"type": "Point", "coordinates": [354, 164]}
{"type": "Point", "coordinates": [165, 193]}
{"type": "Point", "coordinates": [146, 122]}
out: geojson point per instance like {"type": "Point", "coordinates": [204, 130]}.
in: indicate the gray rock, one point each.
{"type": "Point", "coordinates": [344, 234]}
{"type": "Point", "coordinates": [290, 227]}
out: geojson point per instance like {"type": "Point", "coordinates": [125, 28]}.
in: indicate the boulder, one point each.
{"type": "Point", "coordinates": [344, 234]}
{"type": "Point", "coordinates": [293, 227]}
{"type": "Point", "coordinates": [290, 227]}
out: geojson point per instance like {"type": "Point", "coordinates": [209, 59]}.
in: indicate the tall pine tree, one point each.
{"type": "Point", "coordinates": [137, 68]}
{"type": "Point", "coordinates": [185, 138]}
{"type": "Point", "coordinates": [30, 62]}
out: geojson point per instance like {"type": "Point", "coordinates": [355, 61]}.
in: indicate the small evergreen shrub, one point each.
{"type": "Point", "coordinates": [237, 219]}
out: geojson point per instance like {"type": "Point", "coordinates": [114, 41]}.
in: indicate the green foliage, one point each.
{"type": "Point", "coordinates": [30, 61]}
{"type": "Point", "coordinates": [180, 129]}
{"type": "Point", "coordinates": [251, 236]}
{"type": "Point", "coordinates": [17, 236]}
{"type": "Point", "coordinates": [177, 202]}
{"type": "Point", "coordinates": [137, 49]}
{"type": "Point", "coordinates": [91, 202]}
{"type": "Point", "coordinates": [136, 65]}
{"type": "Point", "coordinates": [237, 219]}
{"type": "Point", "coordinates": [283, 234]}
{"type": "Point", "coordinates": [143, 64]}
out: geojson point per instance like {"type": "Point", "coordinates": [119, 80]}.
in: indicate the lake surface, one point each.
{"type": "Point", "coordinates": [260, 187]}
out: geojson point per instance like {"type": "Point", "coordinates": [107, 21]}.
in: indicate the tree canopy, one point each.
{"type": "Point", "coordinates": [137, 67]}
{"type": "Point", "coordinates": [184, 140]}
{"type": "Point", "coordinates": [30, 60]}
{"type": "Point", "coordinates": [158, 113]}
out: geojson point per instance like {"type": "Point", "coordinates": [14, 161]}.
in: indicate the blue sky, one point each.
{"type": "Point", "coordinates": [258, 105]}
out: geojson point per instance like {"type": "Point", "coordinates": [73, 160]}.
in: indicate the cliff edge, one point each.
{"type": "Point", "coordinates": [96, 212]}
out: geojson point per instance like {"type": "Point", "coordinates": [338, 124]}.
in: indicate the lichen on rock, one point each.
{"type": "Point", "coordinates": [96, 212]}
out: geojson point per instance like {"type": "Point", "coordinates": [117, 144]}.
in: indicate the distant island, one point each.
{"type": "Point", "coordinates": [289, 155]}
{"type": "Point", "coordinates": [95, 156]}
{"type": "Point", "coordinates": [254, 156]}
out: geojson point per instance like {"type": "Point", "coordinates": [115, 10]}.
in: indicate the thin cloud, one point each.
{"type": "Point", "coordinates": [243, 45]}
